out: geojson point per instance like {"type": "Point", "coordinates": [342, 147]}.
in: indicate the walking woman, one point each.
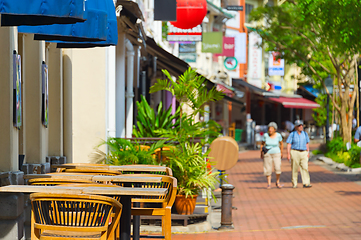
{"type": "Point", "coordinates": [271, 153]}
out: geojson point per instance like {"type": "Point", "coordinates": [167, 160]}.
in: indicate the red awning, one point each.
{"type": "Point", "coordinates": [296, 102]}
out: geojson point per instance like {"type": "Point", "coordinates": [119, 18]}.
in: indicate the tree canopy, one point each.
{"type": "Point", "coordinates": [322, 38]}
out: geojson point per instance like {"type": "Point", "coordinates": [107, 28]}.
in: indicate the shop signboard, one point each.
{"type": "Point", "coordinates": [187, 47]}
{"type": "Point", "coordinates": [233, 5]}
{"type": "Point", "coordinates": [276, 65]}
{"type": "Point", "coordinates": [188, 57]}
{"type": "Point", "coordinates": [240, 47]}
{"type": "Point", "coordinates": [175, 34]}
{"type": "Point", "coordinates": [17, 103]}
{"type": "Point", "coordinates": [212, 42]}
{"type": "Point", "coordinates": [254, 59]}
{"type": "Point", "coordinates": [228, 47]}
{"type": "Point", "coordinates": [230, 63]}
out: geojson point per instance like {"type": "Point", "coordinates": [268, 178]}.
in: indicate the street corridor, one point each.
{"type": "Point", "coordinates": [331, 209]}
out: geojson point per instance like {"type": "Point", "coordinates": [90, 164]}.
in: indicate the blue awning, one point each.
{"type": "Point", "coordinates": [93, 29]}
{"type": "Point", "coordinates": [111, 32]}
{"type": "Point", "coordinates": [41, 12]}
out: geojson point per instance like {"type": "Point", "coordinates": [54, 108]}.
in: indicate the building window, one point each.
{"type": "Point", "coordinates": [249, 8]}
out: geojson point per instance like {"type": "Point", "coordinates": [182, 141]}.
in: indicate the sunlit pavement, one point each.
{"type": "Point", "coordinates": [331, 209]}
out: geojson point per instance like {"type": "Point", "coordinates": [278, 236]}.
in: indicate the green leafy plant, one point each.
{"type": "Point", "coordinates": [190, 168]}
{"type": "Point", "coordinates": [124, 152]}
{"type": "Point", "coordinates": [187, 160]}
{"type": "Point", "coordinates": [336, 145]}
{"type": "Point", "coordinates": [149, 122]}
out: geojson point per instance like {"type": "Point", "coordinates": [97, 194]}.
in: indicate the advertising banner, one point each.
{"type": "Point", "coordinates": [175, 34]}
{"type": "Point", "coordinates": [188, 57]}
{"type": "Point", "coordinates": [240, 47]}
{"type": "Point", "coordinates": [254, 58]}
{"type": "Point", "coordinates": [212, 42]}
{"type": "Point", "coordinates": [228, 47]}
{"type": "Point", "coordinates": [276, 66]}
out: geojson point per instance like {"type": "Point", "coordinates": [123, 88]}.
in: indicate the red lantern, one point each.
{"type": "Point", "coordinates": [190, 13]}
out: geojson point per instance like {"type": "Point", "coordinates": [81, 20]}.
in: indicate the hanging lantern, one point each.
{"type": "Point", "coordinates": [190, 13]}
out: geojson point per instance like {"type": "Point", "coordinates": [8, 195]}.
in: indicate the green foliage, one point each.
{"type": "Point", "coordinates": [321, 37]}
{"type": "Point", "coordinates": [320, 114]}
{"type": "Point", "coordinates": [187, 160]}
{"type": "Point", "coordinates": [124, 152]}
{"type": "Point", "coordinates": [316, 152]}
{"type": "Point", "coordinates": [149, 122]}
{"type": "Point", "coordinates": [190, 168]}
{"type": "Point", "coordinates": [337, 152]}
{"type": "Point", "coordinates": [354, 161]}
{"type": "Point", "coordinates": [189, 88]}
{"type": "Point", "coordinates": [336, 145]}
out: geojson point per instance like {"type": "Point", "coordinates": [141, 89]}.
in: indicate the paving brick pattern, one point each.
{"type": "Point", "coordinates": [331, 209]}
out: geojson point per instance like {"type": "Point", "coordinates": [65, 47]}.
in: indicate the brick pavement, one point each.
{"type": "Point", "coordinates": [331, 209]}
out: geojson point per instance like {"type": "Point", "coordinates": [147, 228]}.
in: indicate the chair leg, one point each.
{"type": "Point", "coordinates": [35, 233]}
{"type": "Point", "coordinates": [167, 225]}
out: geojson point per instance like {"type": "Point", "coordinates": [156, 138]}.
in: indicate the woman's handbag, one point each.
{"type": "Point", "coordinates": [264, 150]}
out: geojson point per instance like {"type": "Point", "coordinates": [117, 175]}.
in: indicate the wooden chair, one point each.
{"type": "Point", "coordinates": [105, 172]}
{"type": "Point", "coordinates": [66, 216]}
{"type": "Point", "coordinates": [167, 203]}
{"type": "Point", "coordinates": [159, 152]}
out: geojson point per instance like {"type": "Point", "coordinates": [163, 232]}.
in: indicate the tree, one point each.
{"type": "Point", "coordinates": [322, 38]}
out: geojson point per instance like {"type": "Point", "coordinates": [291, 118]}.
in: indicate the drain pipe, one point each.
{"type": "Point", "coordinates": [129, 94]}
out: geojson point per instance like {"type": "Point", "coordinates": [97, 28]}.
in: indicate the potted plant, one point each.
{"type": "Point", "coordinates": [187, 159]}
{"type": "Point", "coordinates": [125, 152]}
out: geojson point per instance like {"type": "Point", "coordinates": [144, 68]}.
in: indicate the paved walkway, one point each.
{"type": "Point", "coordinates": [331, 209]}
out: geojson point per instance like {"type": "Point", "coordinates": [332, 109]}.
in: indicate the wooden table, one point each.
{"type": "Point", "coordinates": [126, 194]}
{"type": "Point", "coordinates": [126, 178]}
{"type": "Point", "coordinates": [130, 168]}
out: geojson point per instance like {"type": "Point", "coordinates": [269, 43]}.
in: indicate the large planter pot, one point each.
{"type": "Point", "coordinates": [185, 206]}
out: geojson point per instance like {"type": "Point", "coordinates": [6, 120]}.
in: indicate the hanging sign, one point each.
{"type": "Point", "coordinates": [228, 47]}
{"type": "Point", "coordinates": [212, 42]}
{"type": "Point", "coordinates": [184, 35]}
{"type": "Point", "coordinates": [254, 60]}
{"type": "Point", "coordinates": [230, 63]}
{"type": "Point", "coordinates": [276, 66]}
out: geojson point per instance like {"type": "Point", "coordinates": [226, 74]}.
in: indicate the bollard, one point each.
{"type": "Point", "coordinates": [226, 217]}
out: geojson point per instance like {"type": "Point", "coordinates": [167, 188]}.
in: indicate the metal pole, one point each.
{"type": "Point", "coordinates": [226, 215]}
{"type": "Point", "coordinates": [328, 120]}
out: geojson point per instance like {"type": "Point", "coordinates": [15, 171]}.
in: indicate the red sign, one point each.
{"type": "Point", "coordinates": [228, 47]}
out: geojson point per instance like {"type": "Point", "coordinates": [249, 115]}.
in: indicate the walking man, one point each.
{"type": "Point", "coordinates": [298, 152]}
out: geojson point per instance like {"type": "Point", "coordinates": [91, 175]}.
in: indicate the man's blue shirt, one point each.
{"type": "Point", "coordinates": [298, 141]}
{"type": "Point", "coordinates": [358, 133]}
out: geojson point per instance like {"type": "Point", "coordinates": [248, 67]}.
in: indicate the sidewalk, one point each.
{"type": "Point", "coordinates": [331, 209]}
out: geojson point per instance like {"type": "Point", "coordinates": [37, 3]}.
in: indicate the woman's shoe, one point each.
{"type": "Point", "coordinates": [307, 186]}
{"type": "Point", "coordinates": [268, 186]}
{"type": "Point", "coordinates": [278, 185]}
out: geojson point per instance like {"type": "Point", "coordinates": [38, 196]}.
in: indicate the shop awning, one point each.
{"type": "Point", "coordinates": [111, 31]}
{"type": "Point", "coordinates": [254, 89]}
{"type": "Point", "coordinates": [41, 12]}
{"type": "Point", "coordinates": [295, 102]}
{"type": "Point", "coordinates": [93, 29]}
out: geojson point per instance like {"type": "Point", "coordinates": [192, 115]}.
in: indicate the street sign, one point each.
{"type": "Point", "coordinates": [234, 8]}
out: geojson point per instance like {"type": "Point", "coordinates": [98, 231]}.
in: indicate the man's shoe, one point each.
{"type": "Point", "coordinates": [307, 186]}
{"type": "Point", "coordinates": [294, 186]}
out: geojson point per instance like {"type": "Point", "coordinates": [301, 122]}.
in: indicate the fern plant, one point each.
{"type": "Point", "coordinates": [148, 122]}
{"type": "Point", "coordinates": [124, 152]}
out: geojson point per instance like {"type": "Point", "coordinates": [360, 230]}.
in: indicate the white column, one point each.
{"type": "Point", "coordinates": [111, 91]}
{"type": "Point", "coordinates": [120, 86]}
{"type": "Point", "coordinates": [130, 93]}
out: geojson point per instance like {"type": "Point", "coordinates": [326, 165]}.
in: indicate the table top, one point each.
{"type": "Point", "coordinates": [91, 177]}
{"type": "Point", "coordinates": [119, 191]}
{"type": "Point", "coordinates": [114, 167]}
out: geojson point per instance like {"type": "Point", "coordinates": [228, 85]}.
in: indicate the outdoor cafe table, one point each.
{"type": "Point", "coordinates": [130, 168]}
{"type": "Point", "coordinates": [126, 178]}
{"type": "Point", "coordinates": [126, 194]}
